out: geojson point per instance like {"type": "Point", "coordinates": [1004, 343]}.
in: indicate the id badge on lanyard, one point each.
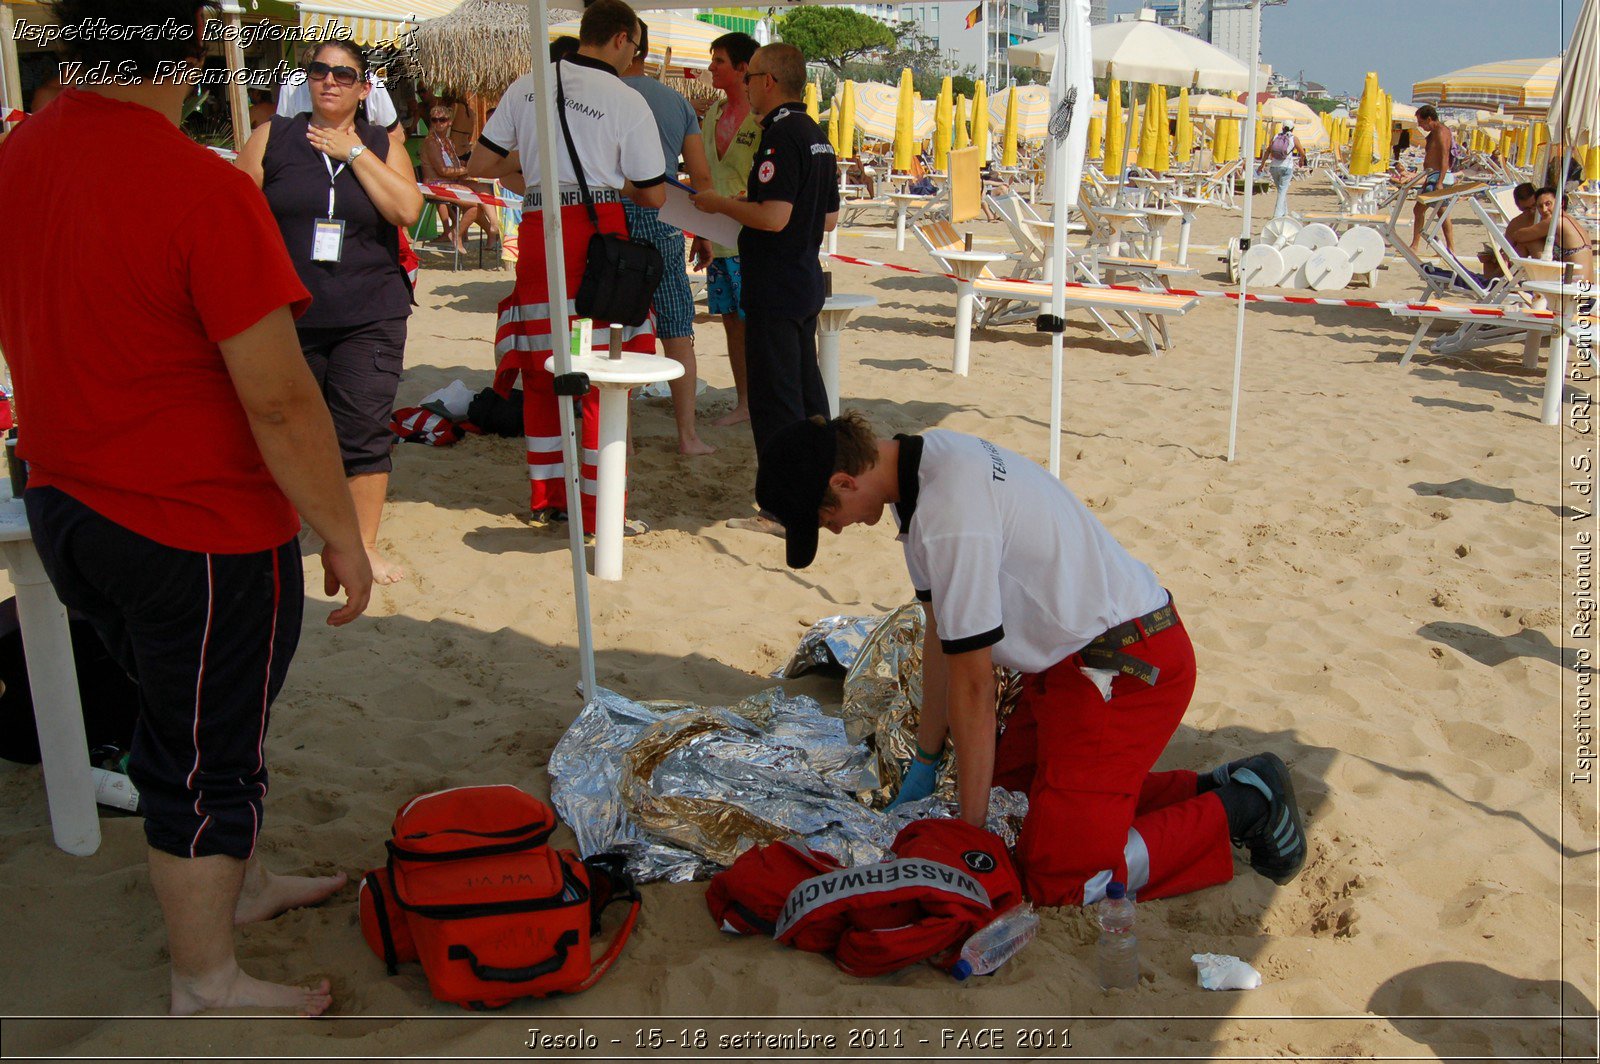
{"type": "Point", "coordinates": [327, 234]}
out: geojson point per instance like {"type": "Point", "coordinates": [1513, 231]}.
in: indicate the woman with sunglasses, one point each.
{"type": "Point", "coordinates": [341, 192]}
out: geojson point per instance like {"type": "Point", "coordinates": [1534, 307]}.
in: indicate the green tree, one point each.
{"type": "Point", "coordinates": [833, 35]}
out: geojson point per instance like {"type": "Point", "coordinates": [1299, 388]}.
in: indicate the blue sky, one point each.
{"type": "Point", "coordinates": [1337, 41]}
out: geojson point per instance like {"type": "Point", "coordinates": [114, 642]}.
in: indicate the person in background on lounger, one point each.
{"type": "Point", "coordinates": [1014, 570]}
{"type": "Point", "coordinates": [173, 429]}
{"type": "Point", "coordinates": [1524, 197]}
{"type": "Point", "coordinates": [1571, 243]}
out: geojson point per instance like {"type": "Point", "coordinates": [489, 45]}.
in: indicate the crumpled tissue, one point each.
{"type": "Point", "coordinates": [1219, 971]}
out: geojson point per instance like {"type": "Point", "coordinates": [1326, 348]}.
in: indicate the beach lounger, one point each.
{"type": "Point", "coordinates": [1144, 313]}
{"type": "Point", "coordinates": [1513, 325]}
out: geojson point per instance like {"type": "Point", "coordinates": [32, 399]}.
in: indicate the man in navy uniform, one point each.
{"type": "Point", "coordinates": [791, 200]}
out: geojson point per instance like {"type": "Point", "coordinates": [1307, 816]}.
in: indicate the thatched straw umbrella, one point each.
{"type": "Point", "coordinates": [478, 49]}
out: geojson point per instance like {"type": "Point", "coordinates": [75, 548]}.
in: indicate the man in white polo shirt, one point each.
{"type": "Point", "coordinates": [615, 136]}
{"type": "Point", "coordinates": [1014, 570]}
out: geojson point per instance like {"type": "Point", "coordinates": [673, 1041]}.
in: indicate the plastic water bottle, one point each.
{"type": "Point", "coordinates": [997, 941]}
{"type": "Point", "coordinates": [115, 790]}
{"type": "Point", "coordinates": [1117, 952]}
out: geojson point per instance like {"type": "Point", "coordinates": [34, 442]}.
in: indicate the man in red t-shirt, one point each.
{"type": "Point", "coordinates": [172, 430]}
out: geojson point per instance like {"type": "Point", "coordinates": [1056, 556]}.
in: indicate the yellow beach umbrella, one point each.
{"type": "Point", "coordinates": [1008, 133]}
{"type": "Point", "coordinates": [1033, 110]}
{"type": "Point", "coordinates": [905, 147]}
{"type": "Point", "coordinates": [1591, 164]}
{"type": "Point", "coordinates": [1386, 135]}
{"type": "Point", "coordinates": [963, 117]}
{"type": "Point", "coordinates": [943, 121]}
{"type": "Point", "coordinates": [833, 131]}
{"type": "Point", "coordinates": [980, 123]}
{"type": "Point", "coordinates": [846, 106]}
{"type": "Point", "coordinates": [1163, 130]}
{"type": "Point", "coordinates": [1095, 148]}
{"type": "Point", "coordinates": [1540, 137]}
{"type": "Point", "coordinates": [1229, 130]}
{"type": "Point", "coordinates": [1116, 130]}
{"type": "Point", "coordinates": [1361, 158]}
{"type": "Point", "coordinates": [1185, 146]}
{"type": "Point", "coordinates": [1517, 85]}
{"type": "Point", "coordinates": [1207, 105]}
{"type": "Point", "coordinates": [813, 101]}
{"type": "Point", "coordinates": [1147, 131]}
{"type": "Point", "coordinates": [877, 109]}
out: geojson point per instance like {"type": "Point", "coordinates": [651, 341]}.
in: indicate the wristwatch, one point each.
{"type": "Point", "coordinates": [355, 153]}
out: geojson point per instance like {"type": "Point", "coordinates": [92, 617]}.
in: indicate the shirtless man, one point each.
{"type": "Point", "coordinates": [1435, 172]}
{"type": "Point", "coordinates": [730, 133]}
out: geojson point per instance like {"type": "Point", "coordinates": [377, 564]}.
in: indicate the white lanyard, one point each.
{"type": "Point", "coordinates": [332, 174]}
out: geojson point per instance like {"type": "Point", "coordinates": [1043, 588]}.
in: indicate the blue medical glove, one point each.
{"type": "Point", "coordinates": [918, 783]}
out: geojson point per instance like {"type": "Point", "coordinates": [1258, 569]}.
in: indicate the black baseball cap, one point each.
{"type": "Point", "coordinates": [791, 480]}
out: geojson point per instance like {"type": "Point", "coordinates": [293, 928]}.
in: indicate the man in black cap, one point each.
{"type": "Point", "coordinates": [1014, 570]}
{"type": "Point", "coordinates": [792, 199]}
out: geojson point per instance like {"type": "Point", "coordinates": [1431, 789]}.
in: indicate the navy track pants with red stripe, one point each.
{"type": "Point", "coordinates": [208, 639]}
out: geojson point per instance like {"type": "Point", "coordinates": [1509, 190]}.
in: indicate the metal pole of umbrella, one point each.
{"type": "Point", "coordinates": [1072, 99]}
{"type": "Point", "coordinates": [555, 267]}
{"type": "Point", "coordinates": [1248, 137]}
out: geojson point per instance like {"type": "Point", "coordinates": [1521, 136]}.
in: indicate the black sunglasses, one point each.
{"type": "Point", "coordinates": [317, 70]}
{"type": "Point", "coordinates": [756, 74]}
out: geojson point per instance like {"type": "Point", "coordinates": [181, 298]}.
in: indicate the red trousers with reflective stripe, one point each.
{"type": "Point", "coordinates": [522, 344]}
{"type": "Point", "coordinates": [1085, 765]}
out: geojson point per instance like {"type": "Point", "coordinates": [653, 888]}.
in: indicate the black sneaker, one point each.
{"type": "Point", "coordinates": [1277, 842]}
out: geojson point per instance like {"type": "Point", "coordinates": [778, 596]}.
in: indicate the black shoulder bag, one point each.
{"type": "Point", "coordinates": [620, 274]}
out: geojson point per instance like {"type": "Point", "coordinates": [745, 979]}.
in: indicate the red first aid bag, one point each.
{"type": "Point", "coordinates": [473, 891]}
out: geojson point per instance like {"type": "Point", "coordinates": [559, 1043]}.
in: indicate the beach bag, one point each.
{"type": "Point", "coordinates": [474, 892]}
{"type": "Point", "coordinates": [620, 274]}
{"type": "Point", "coordinates": [946, 880]}
{"type": "Point", "coordinates": [495, 414]}
{"type": "Point", "coordinates": [1281, 146]}
{"type": "Point", "coordinates": [413, 424]}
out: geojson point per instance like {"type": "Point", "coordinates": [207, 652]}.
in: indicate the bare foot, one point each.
{"type": "Point", "coordinates": [383, 570]}
{"type": "Point", "coordinates": [737, 415]}
{"type": "Point", "coordinates": [233, 989]}
{"type": "Point", "coordinates": [694, 445]}
{"type": "Point", "coordinates": [265, 894]}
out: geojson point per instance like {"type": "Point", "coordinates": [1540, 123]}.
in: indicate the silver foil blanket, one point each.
{"type": "Point", "coordinates": [832, 644]}
{"type": "Point", "coordinates": [683, 789]}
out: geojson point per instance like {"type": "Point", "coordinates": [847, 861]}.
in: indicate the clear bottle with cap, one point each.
{"type": "Point", "coordinates": [1117, 952]}
{"type": "Point", "coordinates": [997, 941]}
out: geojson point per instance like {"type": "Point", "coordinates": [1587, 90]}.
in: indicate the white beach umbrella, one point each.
{"type": "Point", "coordinates": [1574, 117]}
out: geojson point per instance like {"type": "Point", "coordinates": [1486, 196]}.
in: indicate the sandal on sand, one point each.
{"type": "Point", "coordinates": [630, 527]}
{"type": "Point", "coordinates": [543, 517]}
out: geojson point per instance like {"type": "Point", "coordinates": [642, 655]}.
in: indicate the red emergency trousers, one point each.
{"type": "Point", "coordinates": [522, 345]}
{"type": "Point", "coordinates": [1096, 812]}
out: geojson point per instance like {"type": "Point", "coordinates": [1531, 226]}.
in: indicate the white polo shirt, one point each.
{"type": "Point", "coordinates": [1007, 556]}
{"type": "Point", "coordinates": [612, 127]}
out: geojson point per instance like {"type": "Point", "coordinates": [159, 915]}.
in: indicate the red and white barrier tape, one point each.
{"type": "Point", "coordinates": [1250, 297]}
{"type": "Point", "coordinates": [13, 116]}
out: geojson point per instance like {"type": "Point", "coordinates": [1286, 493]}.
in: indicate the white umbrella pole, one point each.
{"type": "Point", "coordinates": [555, 267]}
{"type": "Point", "coordinates": [1071, 70]}
{"type": "Point", "coordinates": [1248, 137]}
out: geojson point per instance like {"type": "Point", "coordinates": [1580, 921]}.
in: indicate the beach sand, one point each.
{"type": "Point", "coordinates": [1375, 588]}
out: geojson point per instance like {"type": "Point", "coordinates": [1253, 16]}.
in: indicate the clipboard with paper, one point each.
{"type": "Point", "coordinates": [679, 210]}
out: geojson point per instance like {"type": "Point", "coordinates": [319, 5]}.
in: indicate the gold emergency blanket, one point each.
{"type": "Point", "coordinates": [883, 697]}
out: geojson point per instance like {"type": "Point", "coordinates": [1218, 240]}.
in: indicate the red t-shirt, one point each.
{"type": "Point", "coordinates": [126, 254]}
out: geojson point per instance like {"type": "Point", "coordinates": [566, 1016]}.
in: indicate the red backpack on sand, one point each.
{"type": "Point", "coordinates": [474, 892]}
{"type": "Point", "coordinates": [947, 879]}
